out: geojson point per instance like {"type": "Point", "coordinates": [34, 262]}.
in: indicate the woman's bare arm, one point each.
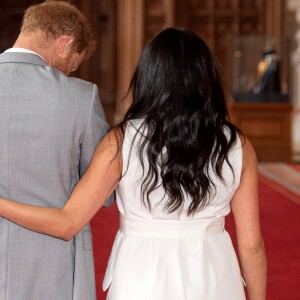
{"type": "Point", "coordinates": [245, 208]}
{"type": "Point", "coordinates": [88, 196]}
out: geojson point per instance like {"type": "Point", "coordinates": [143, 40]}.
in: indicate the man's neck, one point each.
{"type": "Point", "coordinates": [32, 42]}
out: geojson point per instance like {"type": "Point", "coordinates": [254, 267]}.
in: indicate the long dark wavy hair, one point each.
{"type": "Point", "coordinates": [177, 92]}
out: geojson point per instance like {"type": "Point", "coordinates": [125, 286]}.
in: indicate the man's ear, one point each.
{"type": "Point", "coordinates": [64, 44]}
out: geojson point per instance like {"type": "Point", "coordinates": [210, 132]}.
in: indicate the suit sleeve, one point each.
{"type": "Point", "coordinates": [97, 127]}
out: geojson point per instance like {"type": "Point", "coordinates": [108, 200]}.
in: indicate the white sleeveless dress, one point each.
{"type": "Point", "coordinates": [161, 256]}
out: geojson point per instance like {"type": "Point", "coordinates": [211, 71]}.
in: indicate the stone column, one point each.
{"type": "Point", "coordinates": [168, 7]}
{"type": "Point", "coordinates": [294, 5]}
{"type": "Point", "coordinates": [130, 33]}
{"type": "Point", "coordinates": [274, 17]}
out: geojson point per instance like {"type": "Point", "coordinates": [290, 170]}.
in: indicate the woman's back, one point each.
{"type": "Point", "coordinates": [172, 256]}
{"type": "Point", "coordinates": [129, 195]}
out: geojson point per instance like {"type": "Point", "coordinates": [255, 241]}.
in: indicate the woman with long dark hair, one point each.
{"type": "Point", "coordinates": [179, 167]}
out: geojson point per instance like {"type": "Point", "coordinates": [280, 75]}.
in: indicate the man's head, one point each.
{"type": "Point", "coordinates": [61, 33]}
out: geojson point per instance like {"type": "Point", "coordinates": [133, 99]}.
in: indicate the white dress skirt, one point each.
{"type": "Point", "coordinates": [161, 256]}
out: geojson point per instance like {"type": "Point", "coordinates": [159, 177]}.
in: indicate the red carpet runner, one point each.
{"type": "Point", "coordinates": [282, 177]}
{"type": "Point", "coordinates": [280, 221]}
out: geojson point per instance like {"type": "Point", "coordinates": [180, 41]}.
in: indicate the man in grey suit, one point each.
{"type": "Point", "coordinates": [50, 125]}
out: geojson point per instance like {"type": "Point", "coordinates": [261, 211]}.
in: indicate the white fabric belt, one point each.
{"type": "Point", "coordinates": [168, 229]}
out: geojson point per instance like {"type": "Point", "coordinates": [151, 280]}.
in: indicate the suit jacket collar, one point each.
{"type": "Point", "coordinates": [21, 57]}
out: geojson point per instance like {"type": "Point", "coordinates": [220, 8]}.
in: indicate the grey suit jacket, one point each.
{"type": "Point", "coordinates": [50, 125]}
